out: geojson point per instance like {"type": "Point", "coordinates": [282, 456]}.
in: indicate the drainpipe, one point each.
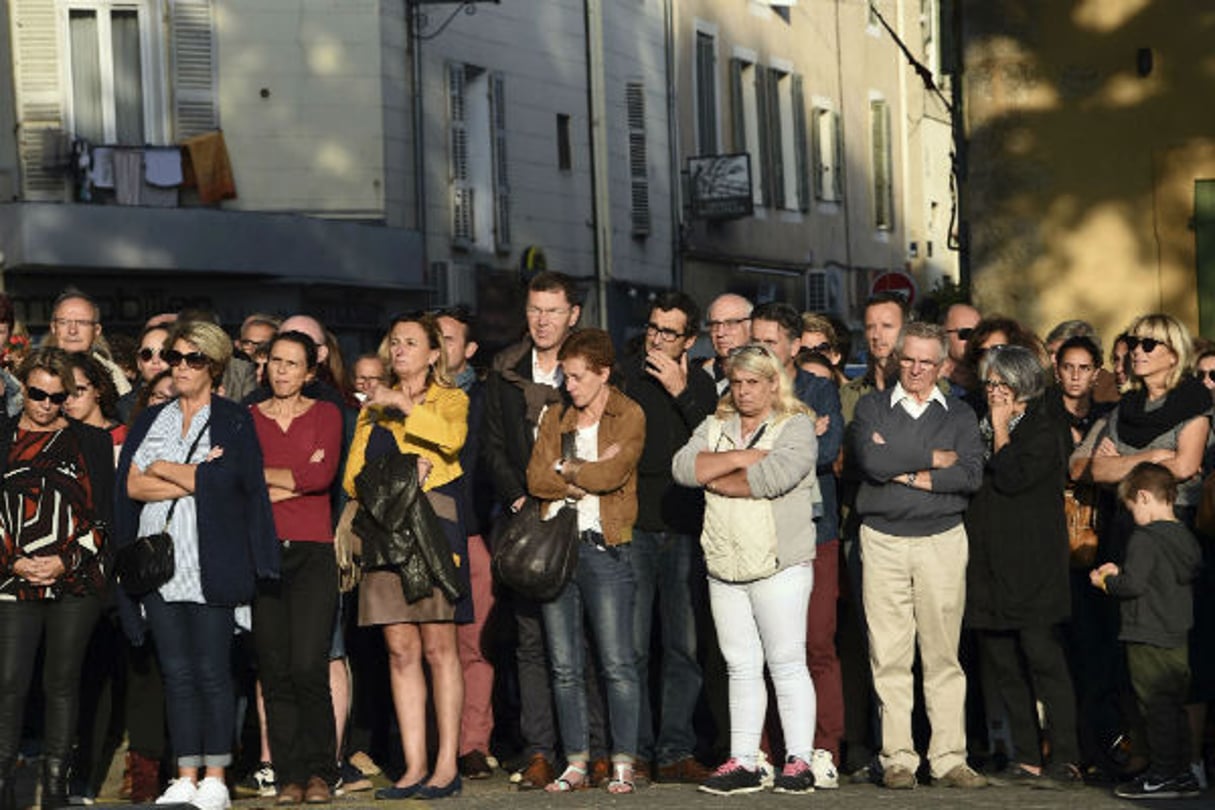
{"type": "Point", "coordinates": [412, 11]}
{"type": "Point", "coordinates": [676, 179]}
{"type": "Point", "coordinates": [597, 113]}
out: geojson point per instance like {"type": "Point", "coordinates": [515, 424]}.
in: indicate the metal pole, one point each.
{"type": "Point", "coordinates": [597, 110]}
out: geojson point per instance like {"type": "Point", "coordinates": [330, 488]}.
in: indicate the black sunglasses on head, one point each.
{"type": "Point", "coordinates": [1148, 344]}
{"type": "Point", "coordinates": [963, 333]}
{"type": "Point", "coordinates": [195, 360]}
{"type": "Point", "coordinates": [38, 395]}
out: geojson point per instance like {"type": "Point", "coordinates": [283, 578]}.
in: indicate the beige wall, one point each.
{"type": "Point", "coordinates": [315, 143]}
{"type": "Point", "coordinates": [1081, 182]}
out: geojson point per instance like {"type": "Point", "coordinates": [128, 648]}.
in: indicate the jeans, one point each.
{"type": "Point", "coordinates": [765, 621]}
{"type": "Point", "coordinates": [67, 623]}
{"type": "Point", "coordinates": [664, 565]}
{"type": "Point", "coordinates": [820, 649]}
{"type": "Point", "coordinates": [293, 628]}
{"type": "Point", "coordinates": [194, 643]}
{"type": "Point", "coordinates": [603, 587]}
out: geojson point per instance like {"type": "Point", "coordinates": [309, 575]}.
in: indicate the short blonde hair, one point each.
{"type": "Point", "coordinates": [209, 338]}
{"type": "Point", "coordinates": [759, 359]}
{"type": "Point", "coordinates": [1173, 334]}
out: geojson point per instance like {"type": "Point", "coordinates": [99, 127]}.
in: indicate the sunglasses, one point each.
{"type": "Point", "coordinates": [963, 333]}
{"type": "Point", "coordinates": [195, 360]}
{"type": "Point", "coordinates": [1148, 344]}
{"type": "Point", "coordinates": [38, 395]}
{"type": "Point", "coordinates": [1209, 374]}
{"type": "Point", "coordinates": [146, 354]}
{"type": "Point", "coordinates": [821, 348]}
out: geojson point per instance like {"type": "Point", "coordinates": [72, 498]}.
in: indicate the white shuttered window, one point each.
{"type": "Point", "coordinates": [638, 161]}
{"type": "Point", "coordinates": [195, 110]}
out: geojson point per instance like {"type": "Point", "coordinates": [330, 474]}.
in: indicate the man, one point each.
{"type": "Point", "coordinates": [477, 716]}
{"type": "Point", "coordinates": [885, 314]}
{"type": "Point", "coordinates": [921, 455]}
{"type": "Point", "coordinates": [729, 326]}
{"type": "Point", "coordinates": [524, 380]}
{"type": "Point", "coordinates": [368, 374]}
{"type": "Point", "coordinates": [76, 327]}
{"type": "Point", "coordinates": [960, 322]}
{"type": "Point", "coordinates": [779, 327]}
{"type": "Point", "coordinates": [256, 332]}
{"type": "Point", "coordinates": [665, 551]}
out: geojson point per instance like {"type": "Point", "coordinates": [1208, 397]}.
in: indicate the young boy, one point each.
{"type": "Point", "coordinates": [1162, 559]}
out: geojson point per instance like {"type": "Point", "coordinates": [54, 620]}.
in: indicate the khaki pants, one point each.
{"type": "Point", "coordinates": [916, 586]}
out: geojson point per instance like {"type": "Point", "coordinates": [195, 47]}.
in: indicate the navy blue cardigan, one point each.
{"type": "Point", "coordinates": [237, 544]}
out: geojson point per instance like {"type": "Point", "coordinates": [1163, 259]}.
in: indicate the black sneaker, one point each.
{"type": "Point", "coordinates": [732, 777]}
{"type": "Point", "coordinates": [1149, 786]}
{"type": "Point", "coordinates": [795, 777]}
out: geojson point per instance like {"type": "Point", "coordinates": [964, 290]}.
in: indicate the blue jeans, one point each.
{"type": "Point", "coordinates": [602, 586]}
{"type": "Point", "coordinates": [194, 643]}
{"type": "Point", "coordinates": [664, 564]}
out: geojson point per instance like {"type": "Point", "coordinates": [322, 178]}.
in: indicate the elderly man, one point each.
{"type": "Point", "coordinates": [921, 456]}
{"type": "Point", "coordinates": [729, 326]}
{"type": "Point", "coordinates": [76, 327]}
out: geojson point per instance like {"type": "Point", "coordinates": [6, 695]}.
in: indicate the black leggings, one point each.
{"type": "Point", "coordinates": [68, 622]}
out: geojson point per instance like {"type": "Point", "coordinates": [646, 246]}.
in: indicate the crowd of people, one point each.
{"type": "Point", "coordinates": [262, 567]}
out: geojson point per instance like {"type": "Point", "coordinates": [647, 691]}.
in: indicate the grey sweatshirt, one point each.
{"type": "Point", "coordinates": [1162, 559]}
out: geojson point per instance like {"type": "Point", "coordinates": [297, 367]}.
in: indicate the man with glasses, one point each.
{"type": "Point", "coordinates": [76, 327]}
{"type": "Point", "coordinates": [729, 326]}
{"type": "Point", "coordinates": [960, 323]}
{"type": "Point", "coordinates": [921, 455]}
{"type": "Point", "coordinates": [665, 552]}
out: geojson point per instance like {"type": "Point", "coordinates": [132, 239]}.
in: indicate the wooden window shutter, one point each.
{"type": "Point", "coordinates": [39, 100]}
{"type": "Point", "coordinates": [738, 119]}
{"type": "Point", "coordinates": [837, 156]}
{"type": "Point", "coordinates": [461, 191]}
{"type": "Point", "coordinates": [776, 151]}
{"type": "Point", "coordinates": [706, 93]}
{"type": "Point", "coordinates": [800, 141]}
{"type": "Point", "coordinates": [195, 107]}
{"type": "Point", "coordinates": [639, 181]}
{"type": "Point", "coordinates": [817, 145]}
{"type": "Point", "coordinates": [765, 145]}
{"type": "Point", "coordinates": [497, 117]}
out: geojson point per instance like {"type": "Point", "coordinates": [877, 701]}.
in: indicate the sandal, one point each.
{"type": "Point", "coordinates": [572, 778]}
{"type": "Point", "coordinates": [622, 779]}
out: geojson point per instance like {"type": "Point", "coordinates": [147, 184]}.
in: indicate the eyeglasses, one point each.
{"type": "Point", "coordinates": [1209, 374]}
{"type": "Point", "coordinates": [995, 348]}
{"type": "Point", "coordinates": [246, 346]}
{"type": "Point", "coordinates": [72, 323]}
{"type": "Point", "coordinates": [38, 395]}
{"type": "Point", "coordinates": [725, 323]}
{"type": "Point", "coordinates": [996, 385]}
{"type": "Point", "coordinates": [665, 335]}
{"type": "Point", "coordinates": [821, 348]}
{"type": "Point", "coordinates": [963, 332]}
{"type": "Point", "coordinates": [551, 312]}
{"type": "Point", "coordinates": [146, 354]}
{"type": "Point", "coordinates": [195, 360]}
{"type": "Point", "coordinates": [1147, 344]}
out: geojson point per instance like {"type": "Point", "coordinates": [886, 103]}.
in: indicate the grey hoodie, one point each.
{"type": "Point", "coordinates": [1162, 559]}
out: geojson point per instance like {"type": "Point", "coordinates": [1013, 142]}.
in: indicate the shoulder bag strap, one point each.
{"type": "Point", "coordinates": [189, 454]}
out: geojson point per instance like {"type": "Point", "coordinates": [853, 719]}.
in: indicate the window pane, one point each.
{"type": "Point", "coordinates": [86, 76]}
{"type": "Point", "coordinates": [128, 77]}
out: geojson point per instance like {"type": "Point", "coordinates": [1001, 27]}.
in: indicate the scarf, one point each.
{"type": "Point", "coordinates": [1137, 426]}
{"type": "Point", "coordinates": [989, 433]}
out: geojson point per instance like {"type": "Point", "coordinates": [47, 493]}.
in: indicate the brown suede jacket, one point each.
{"type": "Point", "coordinates": [613, 480]}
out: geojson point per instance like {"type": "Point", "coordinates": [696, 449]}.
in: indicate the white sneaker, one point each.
{"type": "Point", "coordinates": [767, 776]}
{"type": "Point", "coordinates": [1200, 774]}
{"type": "Point", "coordinates": [212, 795]}
{"type": "Point", "coordinates": [823, 768]}
{"type": "Point", "coordinates": [180, 791]}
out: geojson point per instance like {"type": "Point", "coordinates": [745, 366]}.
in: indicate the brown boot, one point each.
{"type": "Point", "coordinates": [538, 773]}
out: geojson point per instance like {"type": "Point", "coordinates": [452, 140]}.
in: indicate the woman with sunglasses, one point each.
{"type": "Point", "coordinates": [55, 505]}
{"type": "Point", "coordinates": [93, 399]}
{"type": "Point", "coordinates": [1017, 592]}
{"type": "Point", "coordinates": [301, 441]}
{"type": "Point", "coordinates": [193, 467]}
{"type": "Point", "coordinates": [755, 459]}
{"type": "Point", "coordinates": [992, 331]}
{"type": "Point", "coordinates": [149, 362]}
{"type": "Point", "coordinates": [420, 412]}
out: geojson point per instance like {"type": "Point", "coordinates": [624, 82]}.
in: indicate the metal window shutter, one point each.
{"type": "Point", "coordinates": [461, 192]}
{"type": "Point", "coordinates": [497, 107]}
{"type": "Point", "coordinates": [776, 151]}
{"type": "Point", "coordinates": [738, 119]}
{"type": "Point", "coordinates": [764, 136]}
{"type": "Point", "coordinates": [39, 98]}
{"type": "Point", "coordinates": [800, 143]}
{"type": "Point", "coordinates": [195, 108]}
{"type": "Point", "coordinates": [638, 159]}
{"type": "Point", "coordinates": [837, 156]}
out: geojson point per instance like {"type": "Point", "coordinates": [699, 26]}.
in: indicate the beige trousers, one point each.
{"type": "Point", "coordinates": [916, 587]}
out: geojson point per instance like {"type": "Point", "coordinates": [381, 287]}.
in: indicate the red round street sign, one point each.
{"type": "Point", "coordinates": [897, 283]}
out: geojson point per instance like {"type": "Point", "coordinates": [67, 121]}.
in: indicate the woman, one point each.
{"type": "Point", "coordinates": [420, 412]}
{"type": "Point", "coordinates": [755, 459]}
{"type": "Point", "coordinates": [1017, 578]}
{"type": "Point", "coordinates": [1120, 362]}
{"type": "Point", "coordinates": [56, 506]}
{"type": "Point", "coordinates": [1077, 364]}
{"type": "Point", "coordinates": [195, 463]}
{"type": "Point", "coordinates": [301, 441]}
{"type": "Point", "coordinates": [992, 331]}
{"type": "Point", "coordinates": [607, 430]}
{"type": "Point", "coordinates": [93, 398]}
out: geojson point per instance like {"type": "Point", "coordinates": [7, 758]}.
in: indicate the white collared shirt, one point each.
{"type": "Point", "coordinates": [915, 409]}
{"type": "Point", "coordinates": [553, 378]}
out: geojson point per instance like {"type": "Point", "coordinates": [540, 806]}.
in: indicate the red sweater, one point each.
{"type": "Point", "coordinates": [308, 516]}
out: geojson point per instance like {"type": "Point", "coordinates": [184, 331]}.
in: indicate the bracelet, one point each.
{"type": "Point", "coordinates": [911, 479]}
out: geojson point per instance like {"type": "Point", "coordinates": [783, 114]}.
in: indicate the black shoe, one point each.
{"type": "Point", "coordinates": [795, 777]}
{"type": "Point", "coordinates": [1150, 786]}
{"type": "Point", "coordinates": [54, 783]}
{"type": "Point", "coordinates": [8, 786]}
{"type": "Point", "coordinates": [475, 765]}
{"type": "Point", "coordinates": [732, 777]}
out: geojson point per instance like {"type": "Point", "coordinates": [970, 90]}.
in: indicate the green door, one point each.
{"type": "Point", "coordinates": [1204, 234]}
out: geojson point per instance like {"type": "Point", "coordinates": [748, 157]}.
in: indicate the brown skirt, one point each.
{"type": "Point", "coordinates": [381, 601]}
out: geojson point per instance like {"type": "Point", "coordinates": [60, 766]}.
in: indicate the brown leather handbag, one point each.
{"type": "Point", "coordinates": [1079, 505]}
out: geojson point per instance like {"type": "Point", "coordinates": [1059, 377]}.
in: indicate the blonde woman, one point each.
{"type": "Point", "coordinates": [755, 459]}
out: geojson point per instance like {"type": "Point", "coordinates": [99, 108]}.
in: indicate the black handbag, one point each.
{"type": "Point", "coordinates": [536, 557]}
{"type": "Point", "coordinates": [146, 564]}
